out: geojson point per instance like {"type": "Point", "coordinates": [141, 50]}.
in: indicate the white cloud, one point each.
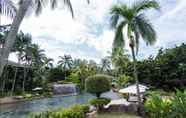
{"type": "Point", "coordinates": [58, 33]}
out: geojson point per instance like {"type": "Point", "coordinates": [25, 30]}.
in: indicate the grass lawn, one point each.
{"type": "Point", "coordinates": [117, 116]}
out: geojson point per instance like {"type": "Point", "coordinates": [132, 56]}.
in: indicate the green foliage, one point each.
{"type": "Point", "coordinates": [69, 113]}
{"type": "Point", "coordinates": [83, 108]}
{"type": "Point", "coordinates": [179, 105]}
{"type": "Point", "coordinates": [56, 74]}
{"type": "Point", "coordinates": [76, 111]}
{"type": "Point", "coordinates": [174, 107]}
{"type": "Point", "coordinates": [46, 114]}
{"type": "Point", "coordinates": [98, 84]}
{"type": "Point", "coordinates": [99, 102]}
{"type": "Point", "coordinates": [166, 71]}
{"type": "Point", "coordinates": [73, 77]}
{"type": "Point", "coordinates": [157, 107]}
{"type": "Point", "coordinates": [123, 80]}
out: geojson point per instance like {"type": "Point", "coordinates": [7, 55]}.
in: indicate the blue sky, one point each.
{"type": "Point", "coordinates": [88, 36]}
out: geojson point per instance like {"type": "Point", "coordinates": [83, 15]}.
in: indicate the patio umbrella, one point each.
{"type": "Point", "coordinates": [132, 89]}
{"type": "Point", "coordinates": [37, 89]}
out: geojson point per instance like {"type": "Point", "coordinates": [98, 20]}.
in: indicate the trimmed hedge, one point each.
{"type": "Point", "coordinates": [99, 102]}
{"type": "Point", "coordinates": [98, 84]}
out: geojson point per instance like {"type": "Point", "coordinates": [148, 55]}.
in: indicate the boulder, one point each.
{"type": "Point", "coordinates": [64, 89]}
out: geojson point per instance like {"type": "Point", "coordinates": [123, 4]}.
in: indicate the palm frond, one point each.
{"type": "Point", "coordinates": [88, 1]}
{"type": "Point", "coordinates": [69, 5]}
{"type": "Point", "coordinates": [119, 38]}
{"type": "Point", "coordinates": [53, 3]}
{"type": "Point", "coordinates": [114, 20]}
{"type": "Point", "coordinates": [38, 5]}
{"type": "Point", "coordinates": [145, 5]}
{"type": "Point", "coordinates": [119, 10]}
{"type": "Point", "coordinates": [145, 29]}
{"type": "Point", "coordinates": [7, 7]}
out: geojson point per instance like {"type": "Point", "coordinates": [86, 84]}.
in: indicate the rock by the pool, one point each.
{"type": "Point", "coordinates": [64, 89]}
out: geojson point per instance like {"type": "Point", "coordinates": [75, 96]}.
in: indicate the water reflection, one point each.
{"type": "Point", "coordinates": [21, 110]}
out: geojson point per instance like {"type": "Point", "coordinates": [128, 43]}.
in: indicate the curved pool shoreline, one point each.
{"type": "Point", "coordinates": [22, 109]}
{"type": "Point", "coordinates": [3, 101]}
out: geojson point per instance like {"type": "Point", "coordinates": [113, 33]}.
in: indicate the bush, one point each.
{"type": "Point", "coordinates": [76, 111]}
{"type": "Point", "coordinates": [83, 108]}
{"type": "Point", "coordinates": [170, 108]}
{"type": "Point", "coordinates": [46, 114]}
{"type": "Point", "coordinates": [69, 113]}
{"type": "Point", "coordinates": [73, 77]}
{"type": "Point", "coordinates": [157, 107]}
{"type": "Point", "coordinates": [99, 102]}
{"type": "Point", "coordinates": [98, 84]}
{"type": "Point", "coordinates": [179, 105]}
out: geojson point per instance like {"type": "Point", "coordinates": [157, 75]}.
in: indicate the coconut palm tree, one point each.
{"type": "Point", "coordinates": [65, 62]}
{"type": "Point", "coordinates": [138, 26]}
{"type": "Point", "coordinates": [22, 41]}
{"type": "Point", "coordinates": [34, 58]}
{"type": "Point", "coordinates": [24, 6]}
{"type": "Point", "coordinates": [48, 62]}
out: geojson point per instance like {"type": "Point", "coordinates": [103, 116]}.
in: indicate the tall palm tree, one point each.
{"type": "Point", "coordinates": [24, 5]}
{"type": "Point", "coordinates": [138, 26]}
{"type": "Point", "coordinates": [22, 41]}
{"type": "Point", "coordinates": [34, 58]}
{"type": "Point", "coordinates": [65, 62]}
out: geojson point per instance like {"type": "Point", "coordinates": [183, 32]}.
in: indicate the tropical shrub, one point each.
{"type": "Point", "coordinates": [99, 102]}
{"type": "Point", "coordinates": [83, 108]}
{"type": "Point", "coordinates": [76, 111]}
{"type": "Point", "coordinates": [157, 107]}
{"type": "Point", "coordinates": [179, 105]}
{"type": "Point", "coordinates": [98, 84]}
{"type": "Point", "coordinates": [69, 113]}
{"type": "Point", "coordinates": [46, 114]}
{"type": "Point", "coordinates": [174, 107]}
{"type": "Point", "coordinates": [74, 77]}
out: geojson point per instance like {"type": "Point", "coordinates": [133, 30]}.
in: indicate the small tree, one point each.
{"type": "Point", "coordinates": [98, 84]}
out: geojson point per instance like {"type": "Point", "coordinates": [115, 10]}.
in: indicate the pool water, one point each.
{"type": "Point", "coordinates": [21, 110]}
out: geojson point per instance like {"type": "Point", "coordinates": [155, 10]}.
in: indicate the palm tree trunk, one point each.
{"type": "Point", "coordinates": [136, 76]}
{"type": "Point", "coordinates": [15, 76]}
{"type": "Point", "coordinates": [12, 34]}
{"type": "Point", "coordinates": [14, 81]}
{"type": "Point", "coordinates": [24, 79]}
{"type": "Point", "coordinates": [5, 77]}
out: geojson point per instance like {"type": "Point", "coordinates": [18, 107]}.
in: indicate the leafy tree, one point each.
{"type": "Point", "coordinates": [137, 25]}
